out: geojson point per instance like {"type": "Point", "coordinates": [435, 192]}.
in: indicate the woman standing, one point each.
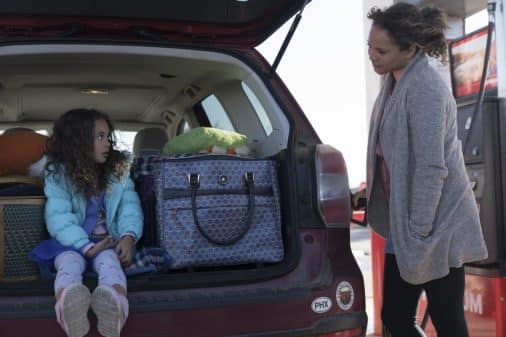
{"type": "Point", "coordinates": [419, 196]}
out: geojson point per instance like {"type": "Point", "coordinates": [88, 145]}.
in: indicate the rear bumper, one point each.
{"type": "Point", "coordinates": [282, 306]}
{"type": "Point", "coordinates": [327, 325]}
{"type": "Point", "coordinates": [322, 327]}
{"type": "Point", "coordinates": [267, 313]}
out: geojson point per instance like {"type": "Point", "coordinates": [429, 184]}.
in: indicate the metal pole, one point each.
{"type": "Point", "coordinates": [500, 40]}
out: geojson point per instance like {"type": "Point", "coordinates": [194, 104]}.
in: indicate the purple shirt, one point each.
{"type": "Point", "coordinates": [94, 221]}
{"type": "Point", "coordinates": [385, 175]}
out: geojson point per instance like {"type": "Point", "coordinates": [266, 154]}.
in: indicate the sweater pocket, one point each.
{"type": "Point", "coordinates": [419, 232]}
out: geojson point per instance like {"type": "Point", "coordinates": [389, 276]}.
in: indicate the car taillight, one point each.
{"type": "Point", "coordinates": [332, 186]}
{"type": "Point", "coordinates": [344, 333]}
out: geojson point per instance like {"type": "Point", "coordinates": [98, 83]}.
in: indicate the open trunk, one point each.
{"type": "Point", "coordinates": [165, 88]}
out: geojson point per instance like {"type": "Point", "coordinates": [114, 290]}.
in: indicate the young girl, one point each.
{"type": "Point", "coordinates": [94, 216]}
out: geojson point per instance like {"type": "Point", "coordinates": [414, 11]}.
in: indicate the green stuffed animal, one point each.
{"type": "Point", "coordinates": [205, 139]}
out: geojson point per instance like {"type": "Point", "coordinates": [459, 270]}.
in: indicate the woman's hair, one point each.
{"type": "Point", "coordinates": [72, 146]}
{"type": "Point", "coordinates": [408, 24]}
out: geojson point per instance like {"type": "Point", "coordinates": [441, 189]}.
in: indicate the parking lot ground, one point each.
{"type": "Point", "coordinates": [361, 248]}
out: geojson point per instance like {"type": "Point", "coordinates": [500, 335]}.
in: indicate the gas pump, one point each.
{"type": "Point", "coordinates": [479, 129]}
{"type": "Point", "coordinates": [481, 119]}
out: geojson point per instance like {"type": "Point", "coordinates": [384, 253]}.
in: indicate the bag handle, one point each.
{"type": "Point", "coordinates": [194, 180]}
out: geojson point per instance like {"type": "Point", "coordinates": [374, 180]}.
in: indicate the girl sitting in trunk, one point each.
{"type": "Point", "coordinates": [94, 216]}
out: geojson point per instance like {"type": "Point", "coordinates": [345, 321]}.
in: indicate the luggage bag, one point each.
{"type": "Point", "coordinates": [216, 210]}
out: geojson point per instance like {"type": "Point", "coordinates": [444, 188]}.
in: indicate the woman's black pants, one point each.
{"type": "Point", "coordinates": [445, 297]}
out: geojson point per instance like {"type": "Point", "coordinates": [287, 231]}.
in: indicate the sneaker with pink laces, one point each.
{"type": "Point", "coordinates": [111, 309]}
{"type": "Point", "coordinates": [72, 310]}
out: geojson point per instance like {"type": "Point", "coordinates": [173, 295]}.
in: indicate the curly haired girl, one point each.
{"type": "Point", "coordinates": [94, 217]}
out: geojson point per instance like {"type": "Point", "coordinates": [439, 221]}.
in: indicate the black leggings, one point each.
{"type": "Point", "coordinates": [445, 298]}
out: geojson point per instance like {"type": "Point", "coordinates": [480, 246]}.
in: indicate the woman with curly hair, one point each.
{"type": "Point", "coordinates": [418, 193]}
{"type": "Point", "coordinates": [94, 217]}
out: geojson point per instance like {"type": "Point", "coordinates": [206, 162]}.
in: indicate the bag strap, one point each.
{"type": "Point", "coordinates": [194, 180]}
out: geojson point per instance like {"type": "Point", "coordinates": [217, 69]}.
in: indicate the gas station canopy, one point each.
{"type": "Point", "coordinates": [458, 8]}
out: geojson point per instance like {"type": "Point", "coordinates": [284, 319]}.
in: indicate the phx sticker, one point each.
{"type": "Point", "coordinates": [345, 295]}
{"type": "Point", "coordinates": [321, 305]}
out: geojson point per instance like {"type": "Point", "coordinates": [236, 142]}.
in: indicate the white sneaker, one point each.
{"type": "Point", "coordinates": [111, 309]}
{"type": "Point", "coordinates": [72, 310]}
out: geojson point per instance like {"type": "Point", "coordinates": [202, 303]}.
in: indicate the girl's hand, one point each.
{"type": "Point", "coordinates": [124, 250]}
{"type": "Point", "coordinates": [106, 243]}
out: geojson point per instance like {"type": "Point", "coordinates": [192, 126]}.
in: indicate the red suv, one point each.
{"type": "Point", "coordinates": [177, 65]}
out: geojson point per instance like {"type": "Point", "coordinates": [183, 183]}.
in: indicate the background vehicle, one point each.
{"type": "Point", "coordinates": [176, 65]}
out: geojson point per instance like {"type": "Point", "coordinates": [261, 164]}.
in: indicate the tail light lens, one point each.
{"type": "Point", "coordinates": [332, 186]}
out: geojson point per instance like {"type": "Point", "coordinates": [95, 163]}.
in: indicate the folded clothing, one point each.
{"type": "Point", "coordinates": [149, 259]}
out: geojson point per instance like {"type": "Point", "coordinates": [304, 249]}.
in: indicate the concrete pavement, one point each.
{"type": "Point", "coordinates": [360, 241]}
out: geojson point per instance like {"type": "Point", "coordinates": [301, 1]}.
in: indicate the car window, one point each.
{"type": "Point", "coordinates": [183, 127]}
{"type": "Point", "coordinates": [216, 114]}
{"type": "Point", "coordinates": [42, 132]}
{"type": "Point", "coordinates": [259, 109]}
{"type": "Point", "coordinates": [125, 140]}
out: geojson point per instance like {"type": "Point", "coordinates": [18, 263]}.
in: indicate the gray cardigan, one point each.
{"type": "Point", "coordinates": [432, 214]}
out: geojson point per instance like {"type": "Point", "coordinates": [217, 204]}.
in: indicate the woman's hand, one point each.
{"type": "Point", "coordinates": [124, 250]}
{"type": "Point", "coordinates": [359, 199]}
{"type": "Point", "coordinates": [106, 243]}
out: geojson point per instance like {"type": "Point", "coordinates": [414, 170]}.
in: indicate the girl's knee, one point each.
{"type": "Point", "coordinates": [69, 258]}
{"type": "Point", "coordinates": [106, 260]}
{"type": "Point", "coordinates": [106, 254]}
{"type": "Point", "coordinates": [106, 257]}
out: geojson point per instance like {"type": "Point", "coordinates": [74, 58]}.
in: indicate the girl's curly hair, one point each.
{"type": "Point", "coordinates": [71, 147]}
{"type": "Point", "coordinates": [408, 24]}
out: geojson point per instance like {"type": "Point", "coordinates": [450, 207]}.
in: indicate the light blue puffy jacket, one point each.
{"type": "Point", "coordinates": [65, 210]}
